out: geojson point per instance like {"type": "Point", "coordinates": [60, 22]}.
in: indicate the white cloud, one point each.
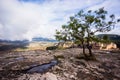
{"type": "Point", "coordinates": [113, 8]}
{"type": "Point", "coordinates": [24, 20]}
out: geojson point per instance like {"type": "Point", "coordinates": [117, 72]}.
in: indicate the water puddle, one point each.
{"type": "Point", "coordinates": [42, 68]}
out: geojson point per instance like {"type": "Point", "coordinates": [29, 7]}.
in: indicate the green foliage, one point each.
{"type": "Point", "coordinates": [105, 39]}
{"type": "Point", "coordinates": [102, 39]}
{"type": "Point", "coordinates": [110, 38]}
{"type": "Point", "coordinates": [83, 23]}
{"type": "Point", "coordinates": [77, 41]}
{"type": "Point", "coordinates": [82, 27]}
{"type": "Point", "coordinates": [51, 48]}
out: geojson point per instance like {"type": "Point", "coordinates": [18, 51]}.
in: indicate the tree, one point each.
{"type": "Point", "coordinates": [62, 35]}
{"type": "Point", "coordinates": [84, 25]}
{"type": "Point", "coordinates": [98, 21]}
{"type": "Point", "coordinates": [105, 39]}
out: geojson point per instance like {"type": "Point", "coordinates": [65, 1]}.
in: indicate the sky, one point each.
{"type": "Point", "coordinates": [24, 19]}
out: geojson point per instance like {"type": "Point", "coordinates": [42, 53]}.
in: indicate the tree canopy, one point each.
{"type": "Point", "coordinates": [83, 26]}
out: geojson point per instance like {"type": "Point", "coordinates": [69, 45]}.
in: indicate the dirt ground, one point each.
{"type": "Point", "coordinates": [70, 66]}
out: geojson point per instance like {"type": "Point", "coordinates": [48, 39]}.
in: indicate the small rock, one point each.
{"type": "Point", "coordinates": [49, 76]}
{"type": "Point", "coordinates": [72, 76]}
{"type": "Point", "coordinates": [66, 75]}
{"type": "Point", "coordinates": [108, 52]}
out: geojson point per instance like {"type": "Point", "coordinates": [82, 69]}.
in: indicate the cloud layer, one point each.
{"type": "Point", "coordinates": [20, 19]}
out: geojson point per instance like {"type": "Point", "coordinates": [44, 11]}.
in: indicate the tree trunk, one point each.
{"type": "Point", "coordinates": [88, 44]}
{"type": "Point", "coordinates": [84, 49]}
{"type": "Point", "coordinates": [90, 50]}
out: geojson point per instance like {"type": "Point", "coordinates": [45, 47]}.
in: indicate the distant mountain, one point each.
{"type": "Point", "coordinates": [9, 45]}
{"type": "Point", "coordinates": [43, 39]}
{"type": "Point", "coordinates": [112, 37]}
{"type": "Point", "coordinates": [14, 42]}
{"type": "Point", "coordinates": [35, 39]}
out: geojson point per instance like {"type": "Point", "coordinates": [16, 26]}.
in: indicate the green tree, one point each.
{"type": "Point", "coordinates": [105, 39]}
{"type": "Point", "coordinates": [84, 25]}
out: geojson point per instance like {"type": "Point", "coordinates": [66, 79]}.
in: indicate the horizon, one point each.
{"type": "Point", "coordinates": [40, 39]}
{"type": "Point", "coordinates": [25, 19]}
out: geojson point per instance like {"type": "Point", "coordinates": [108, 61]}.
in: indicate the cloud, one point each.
{"type": "Point", "coordinates": [113, 8]}
{"type": "Point", "coordinates": [24, 19]}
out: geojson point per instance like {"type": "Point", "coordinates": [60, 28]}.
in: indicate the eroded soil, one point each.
{"type": "Point", "coordinates": [70, 67]}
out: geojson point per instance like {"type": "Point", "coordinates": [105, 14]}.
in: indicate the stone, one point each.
{"type": "Point", "coordinates": [72, 76]}
{"type": "Point", "coordinates": [66, 75]}
{"type": "Point", "coordinates": [49, 76]}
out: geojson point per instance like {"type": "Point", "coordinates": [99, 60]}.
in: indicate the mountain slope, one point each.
{"type": "Point", "coordinates": [43, 39]}
{"type": "Point", "coordinates": [112, 37]}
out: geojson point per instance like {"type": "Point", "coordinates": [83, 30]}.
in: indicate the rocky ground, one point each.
{"type": "Point", "coordinates": [71, 65]}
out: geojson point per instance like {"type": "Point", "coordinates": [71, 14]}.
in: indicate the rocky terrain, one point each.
{"type": "Point", "coordinates": [70, 66]}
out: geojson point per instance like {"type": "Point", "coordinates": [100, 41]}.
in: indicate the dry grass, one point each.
{"type": "Point", "coordinates": [36, 46]}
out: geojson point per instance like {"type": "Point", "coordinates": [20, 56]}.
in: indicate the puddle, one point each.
{"type": "Point", "coordinates": [42, 68]}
